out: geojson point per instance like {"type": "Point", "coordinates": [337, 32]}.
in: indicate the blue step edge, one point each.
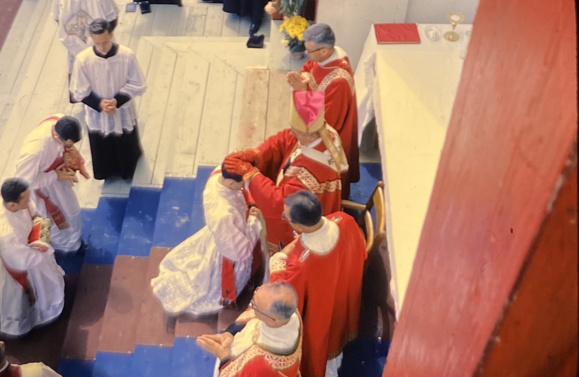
{"type": "Point", "coordinates": [151, 361]}
{"type": "Point", "coordinates": [139, 223]}
{"type": "Point", "coordinates": [75, 368]}
{"type": "Point", "coordinates": [189, 360]}
{"type": "Point", "coordinates": [106, 230]}
{"type": "Point", "coordinates": [112, 364]}
{"type": "Point", "coordinates": [174, 212]}
{"type": "Point", "coordinates": [71, 263]}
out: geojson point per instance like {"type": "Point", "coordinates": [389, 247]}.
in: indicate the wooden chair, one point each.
{"type": "Point", "coordinates": [365, 220]}
{"type": "Point", "coordinates": [377, 313]}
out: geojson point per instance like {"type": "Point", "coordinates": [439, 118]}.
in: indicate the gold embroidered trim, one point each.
{"type": "Point", "coordinates": [311, 183]}
{"type": "Point", "coordinates": [338, 73]}
{"type": "Point", "coordinates": [277, 362]}
{"type": "Point", "coordinates": [278, 265]}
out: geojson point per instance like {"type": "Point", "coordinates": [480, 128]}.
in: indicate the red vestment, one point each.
{"type": "Point", "coordinates": [303, 173]}
{"type": "Point", "coordinates": [336, 80]}
{"type": "Point", "coordinates": [329, 292]}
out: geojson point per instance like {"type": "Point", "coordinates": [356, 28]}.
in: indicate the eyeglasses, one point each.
{"type": "Point", "coordinates": [312, 51]}
{"type": "Point", "coordinates": [254, 307]}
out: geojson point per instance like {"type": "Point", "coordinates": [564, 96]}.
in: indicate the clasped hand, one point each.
{"type": "Point", "coordinates": [109, 106]}
{"type": "Point", "coordinates": [297, 81]}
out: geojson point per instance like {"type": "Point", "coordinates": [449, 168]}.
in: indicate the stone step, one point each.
{"type": "Point", "coordinates": [155, 328]}
{"type": "Point", "coordinates": [120, 319]}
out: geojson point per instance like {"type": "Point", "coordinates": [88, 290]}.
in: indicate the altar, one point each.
{"type": "Point", "coordinates": [410, 90]}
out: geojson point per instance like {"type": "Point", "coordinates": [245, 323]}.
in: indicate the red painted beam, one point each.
{"type": "Point", "coordinates": [7, 16]}
{"type": "Point", "coordinates": [513, 125]}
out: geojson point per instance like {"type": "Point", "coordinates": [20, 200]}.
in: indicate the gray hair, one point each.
{"type": "Point", "coordinates": [285, 302]}
{"type": "Point", "coordinates": [321, 35]}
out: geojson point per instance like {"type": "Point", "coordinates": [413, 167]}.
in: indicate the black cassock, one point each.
{"type": "Point", "coordinates": [254, 9]}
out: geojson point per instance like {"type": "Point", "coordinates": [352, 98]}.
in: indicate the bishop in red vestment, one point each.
{"type": "Point", "coordinates": [308, 156]}
{"type": "Point", "coordinates": [324, 264]}
{"type": "Point", "coordinates": [328, 70]}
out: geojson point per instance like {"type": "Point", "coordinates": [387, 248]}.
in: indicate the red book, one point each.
{"type": "Point", "coordinates": [396, 33]}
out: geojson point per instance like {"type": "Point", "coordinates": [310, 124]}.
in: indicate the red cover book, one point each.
{"type": "Point", "coordinates": [396, 33]}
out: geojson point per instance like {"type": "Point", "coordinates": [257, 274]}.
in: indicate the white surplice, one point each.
{"type": "Point", "coordinates": [190, 275]}
{"type": "Point", "coordinates": [45, 277]}
{"type": "Point", "coordinates": [38, 152]}
{"type": "Point", "coordinates": [106, 77]}
{"type": "Point", "coordinates": [74, 18]}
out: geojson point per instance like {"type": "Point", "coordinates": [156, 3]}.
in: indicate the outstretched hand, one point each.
{"type": "Point", "coordinates": [218, 344]}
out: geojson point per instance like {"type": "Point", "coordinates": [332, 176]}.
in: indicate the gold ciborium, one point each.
{"type": "Point", "coordinates": [455, 18]}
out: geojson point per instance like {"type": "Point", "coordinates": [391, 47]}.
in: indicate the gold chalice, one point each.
{"type": "Point", "coordinates": [455, 18]}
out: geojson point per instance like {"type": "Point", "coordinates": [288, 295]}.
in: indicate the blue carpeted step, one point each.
{"type": "Point", "coordinates": [106, 229]}
{"type": "Point", "coordinates": [75, 368]}
{"type": "Point", "coordinates": [139, 223]}
{"type": "Point", "coordinates": [151, 361]}
{"type": "Point", "coordinates": [71, 263]}
{"type": "Point", "coordinates": [112, 364]}
{"type": "Point", "coordinates": [174, 212]}
{"type": "Point", "coordinates": [189, 360]}
{"type": "Point", "coordinates": [180, 212]}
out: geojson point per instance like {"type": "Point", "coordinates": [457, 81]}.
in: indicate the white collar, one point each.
{"type": "Point", "coordinates": [338, 53]}
{"type": "Point", "coordinates": [281, 338]}
{"type": "Point", "coordinates": [313, 144]}
{"type": "Point", "coordinates": [323, 240]}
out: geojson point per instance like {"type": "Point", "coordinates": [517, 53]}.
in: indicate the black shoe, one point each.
{"type": "Point", "coordinates": [254, 28]}
{"type": "Point", "coordinates": [81, 251]}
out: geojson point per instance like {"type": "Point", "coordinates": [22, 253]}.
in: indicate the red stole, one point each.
{"type": "Point", "coordinates": [21, 277]}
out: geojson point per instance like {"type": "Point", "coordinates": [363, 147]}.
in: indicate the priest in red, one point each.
{"type": "Point", "coordinates": [324, 264]}
{"type": "Point", "coordinates": [268, 345]}
{"type": "Point", "coordinates": [328, 70]}
{"type": "Point", "coordinates": [307, 156]}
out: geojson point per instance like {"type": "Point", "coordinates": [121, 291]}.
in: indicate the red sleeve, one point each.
{"type": "Point", "coordinates": [274, 149]}
{"type": "Point", "coordinates": [269, 197]}
{"type": "Point", "coordinates": [293, 274]}
{"type": "Point", "coordinates": [338, 97]}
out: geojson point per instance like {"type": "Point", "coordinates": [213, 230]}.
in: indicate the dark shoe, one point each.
{"type": "Point", "coordinates": [255, 41]}
{"type": "Point", "coordinates": [254, 27]}
{"type": "Point", "coordinates": [82, 249]}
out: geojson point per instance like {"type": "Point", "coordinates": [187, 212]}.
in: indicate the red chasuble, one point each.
{"type": "Point", "coordinates": [306, 174]}
{"type": "Point", "coordinates": [336, 80]}
{"type": "Point", "coordinates": [329, 289]}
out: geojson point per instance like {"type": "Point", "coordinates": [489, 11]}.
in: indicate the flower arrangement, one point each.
{"type": "Point", "coordinates": [293, 28]}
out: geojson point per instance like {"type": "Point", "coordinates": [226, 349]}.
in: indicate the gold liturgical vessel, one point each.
{"type": "Point", "coordinates": [455, 18]}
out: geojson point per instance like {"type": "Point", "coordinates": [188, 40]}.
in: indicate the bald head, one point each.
{"type": "Point", "coordinates": [282, 300]}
